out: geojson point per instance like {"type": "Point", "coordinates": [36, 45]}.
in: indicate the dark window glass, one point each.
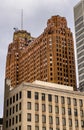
{"type": "Point", "coordinates": [7, 102]}
{"type": "Point", "coordinates": [69, 111]}
{"type": "Point", "coordinates": [10, 101]}
{"type": "Point", "coordinates": [62, 100]}
{"type": "Point", "coordinates": [29, 117]}
{"type": "Point", "coordinates": [28, 94]}
{"type": "Point", "coordinates": [20, 106]}
{"type": "Point", "coordinates": [20, 95]}
{"type": "Point", "coordinates": [13, 99]}
{"type": "Point", "coordinates": [17, 97]}
{"type": "Point", "coordinates": [49, 97]}
{"type": "Point", "coordinates": [36, 95]}
{"type": "Point", "coordinates": [43, 96]}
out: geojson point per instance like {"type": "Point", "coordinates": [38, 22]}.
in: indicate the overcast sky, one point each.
{"type": "Point", "coordinates": [36, 13]}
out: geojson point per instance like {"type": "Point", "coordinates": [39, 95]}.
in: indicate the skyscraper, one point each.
{"type": "Point", "coordinates": [50, 57]}
{"type": "Point", "coordinates": [79, 33]}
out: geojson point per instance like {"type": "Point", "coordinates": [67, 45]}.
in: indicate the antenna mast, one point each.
{"type": "Point", "coordinates": [21, 19]}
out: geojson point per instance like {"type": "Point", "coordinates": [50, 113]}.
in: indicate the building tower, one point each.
{"type": "Point", "coordinates": [49, 57]}
{"type": "Point", "coordinates": [79, 33]}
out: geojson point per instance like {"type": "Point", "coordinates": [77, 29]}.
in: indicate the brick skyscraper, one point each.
{"type": "Point", "coordinates": [50, 57]}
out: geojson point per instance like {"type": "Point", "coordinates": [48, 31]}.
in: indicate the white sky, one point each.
{"type": "Point", "coordinates": [36, 14]}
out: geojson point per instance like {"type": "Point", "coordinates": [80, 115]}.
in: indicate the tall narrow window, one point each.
{"type": "Point", "coordinates": [70, 122]}
{"type": "Point", "coordinates": [36, 107]}
{"type": "Point", "coordinates": [43, 97]}
{"type": "Point", "coordinates": [75, 112]}
{"type": "Point", "coordinates": [76, 123]}
{"type": "Point", "coordinates": [29, 105]}
{"type": "Point", "coordinates": [63, 110]}
{"type": "Point", "coordinates": [36, 118]}
{"type": "Point", "coordinates": [56, 99]}
{"type": "Point", "coordinates": [57, 120]}
{"type": "Point", "coordinates": [68, 101]}
{"type": "Point", "coordinates": [36, 95]}
{"type": "Point", "coordinates": [50, 108]}
{"type": "Point", "coordinates": [29, 117]}
{"type": "Point", "coordinates": [43, 107]}
{"type": "Point", "coordinates": [49, 97]}
{"type": "Point", "coordinates": [43, 119]}
{"type": "Point", "coordinates": [28, 94]}
{"type": "Point", "coordinates": [56, 109]}
{"type": "Point", "coordinates": [74, 102]}
{"type": "Point", "coordinates": [63, 121]}
{"type": "Point", "coordinates": [62, 100]}
{"type": "Point", "coordinates": [50, 120]}
{"type": "Point", "coordinates": [29, 127]}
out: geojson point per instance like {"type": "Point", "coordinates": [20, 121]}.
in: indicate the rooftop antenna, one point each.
{"type": "Point", "coordinates": [21, 19]}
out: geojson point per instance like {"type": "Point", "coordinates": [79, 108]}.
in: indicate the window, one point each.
{"type": "Point", "coordinates": [43, 96]}
{"type": "Point", "coordinates": [70, 122]}
{"type": "Point", "coordinates": [7, 102]}
{"type": "Point", "coordinates": [36, 118]}
{"type": "Point", "coordinates": [20, 95]}
{"type": "Point", "coordinates": [63, 110]}
{"type": "Point", "coordinates": [81, 103]}
{"type": "Point", "coordinates": [19, 117]}
{"type": "Point", "coordinates": [19, 127]}
{"type": "Point", "coordinates": [75, 112]}
{"type": "Point", "coordinates": [13, 109]}
{"type": "Point", "coordinates": [6, 113]}
{"type": "Point", "coordinates": [56, 99]}
{"type": "Point", "coordinates": [17, 97]}
{"type": "Point", "coordinates": [28, 94]}
{"type": "Point", "coordinates": [76, 123]}
{"type": "Point", "coordinates": [36, 107]}
{"type": "Point", "coordinates": [56, 109]}
{"type": "Point", "coordinates": [36, 127]}
{"type": "Point", "coordinates": [10, 101]}
{"type": "Point", "coordinates": [16, 119]}
{"type": "Point", "coordinates": [50, 108]}
{"type": "Point", "coordinates": [43, 119]}
{"type": "Point", "coordinates": [69, 111]}
{"type": "Point", "coordinates": [63, 121]}
{"type": "Point", "coordinates": [13, 98]}
{"type": "Point", "coordinates": [29, 105]}
{"type": "Point", "coordinates": [20, 106]}
{"type": "Point", "coordinates": [82, 123]}
{"type": "Point", "coordinates": [43, 107]}
{"type": "Point", "coordinates": [49, 97]}
{"type": "Point", "coordinates": [81, 113]}
{"type": "Point", "coordinates": [62, 100]}
{"type": "Point", "coordinates": [16, 107]}
{"type": "Point", "coordinates": [68, 101]}
{"type": "Point", "coordinates": [43, 128]}
{"type": "Point", "coordinates": [57, 120]}
{"type": "Point", "coordinates": [36, 95]}
{"type": "Point", "coordinates": [28, 116]}
{"type": "Point", "coordinates": [50, 120]}
{"type": "Point", "coordinates": [74, 102]}
{"type": "Point", "coordinates": [10, 111]}
{"type": "Point", "coordinates": [13, 121]}
{"type": "Point", "coordinates": [29, 127]}
{"type": "Point", "coordinates": [9, 122]}
{"type": "Point", "coordinates": [50, 128]}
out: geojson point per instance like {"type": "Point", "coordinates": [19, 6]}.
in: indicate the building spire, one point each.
{"type": "Point", "coordinates": [21, 19]}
